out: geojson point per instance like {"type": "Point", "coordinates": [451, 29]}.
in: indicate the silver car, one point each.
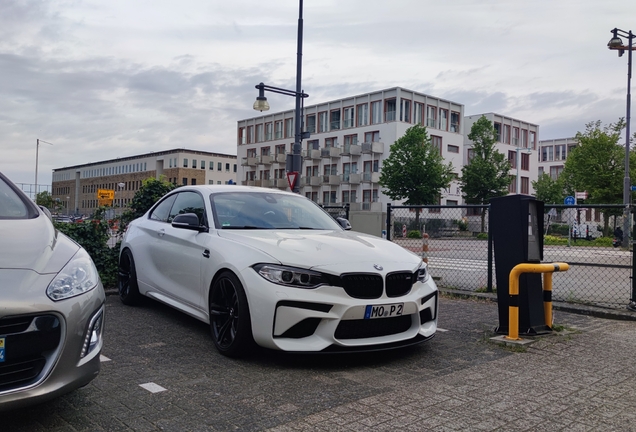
{"type": "Point", "coordinates": [51, 306]}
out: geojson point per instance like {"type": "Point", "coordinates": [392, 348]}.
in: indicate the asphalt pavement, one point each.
{"type": "Point", "coordinates": [160, 371]}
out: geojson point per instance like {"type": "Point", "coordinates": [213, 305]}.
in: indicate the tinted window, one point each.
{"type": "Point", "coordinates": [188, 202]}
{"type": "Point", "coordinates": [161, 212]}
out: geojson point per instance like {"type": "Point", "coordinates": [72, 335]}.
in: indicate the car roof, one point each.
{"type": "Point", "coordinates": [233, 188]}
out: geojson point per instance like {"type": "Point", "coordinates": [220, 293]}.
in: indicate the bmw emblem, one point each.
{"type": "Point", "coordinates": [378, 267]}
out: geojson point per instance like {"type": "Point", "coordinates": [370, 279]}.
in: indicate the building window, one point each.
{"type": "Point", "coordinates": [202, 164]}
{"type": "Point", "coordinates": [533, 140]}
{"type": "Point", "coordinates": [498, 131]}
{"type": "Point", "coordinates": [194, 181]}
{"type": "Point", "coordinates": [242, 137]}
{"type": "Point", "coordinates": [430, 116]}
{"type": "Point", "coordinates": [525, 185]}
{"type": "Point", "coordinates": [335, 120]}
{"type": "Point", "coordinates": [210, 182]}
{"type": "Point", "coordinates": [559, 152]}
{"type": "Point", "coordinates": [389, 110]}
{"type": "Point", "coordinates": [331, 142]}
{"type": "Point", "coordinates": [515, 136]}
{"type": "Point", "coordinates": [540, 171]}
{"type": "Point", "coordinates": [234, 168]}
{"type": "Point", "coordinates": [372, 136]}
{"type": "Point", "coordinates": [376, 112]}
{"type": "Point", "coordinates": [289, 128]}
{"type": "Point", "coordinates": [259, 133]}
{"type": "Point", "coordinates": [322, 121]}
{"type": "Point", "coordinates": [278, 130]}
{"type": "Point", "coordinates": [512, 186]}
{"type": "Point", "coordinates": [454, 125]}
{"type": "Point", "coordinates": [185, 163]}
{"type": "Point", "coordinates": [443, 119]}
{"type": "Point", "coordinates": [227, 167]}
{"type": "Point", "coordinates": [525, 161]}
{"type": "Point", "coordinates": [524, 138]}
{"type": "Point", "coordinates": [436, 142]}
{"type": "Point", "coordinates": [313, 145]}
{"type": "Point", "coordinates": [311, 123]}
{"type": "Point", "coordinates": [363, 115]}
{"type": "Point", "coordinates": [547, 154]}
{"type": "Point", "coordinates": [436, 210]}
{"type": "Point", "coordinates": [184, 181]}
{"type": "Point", "coordinates": [555, 172]}
{"type": "Point", "coordinates": [451, 202]}
{"type": "Point", "coordinates": [269, 129]}
{"type": "Point", "coordinates": [405, 110]}
{"type": "Point", "coordinates": [453, 148]}
{"type": "Point", "coordinates": [349, 116]}
{"type": "Point", "coordinates": [219, 166]}
{"type": "Point", "coordinates": [506, 134]}
{"type": "Point", "coordinates": [194, 163]}
{"type": "Point", "coordinates": [512, 158]}
{"type": "Point", "coordinates": [250, 134]}
{"type": "Point", "coordinates": [265, 151]}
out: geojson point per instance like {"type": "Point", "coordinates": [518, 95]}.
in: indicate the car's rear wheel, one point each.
{"type": "Point", "coordinates": [230, 322]}
{"type": "Point", "coordinates": [127, 280]}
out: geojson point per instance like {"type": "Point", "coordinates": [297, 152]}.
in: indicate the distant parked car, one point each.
{"type": "Point", "coordinates": [62, 219]}
{"type": "Point", "coordinates": [586, 231]}
{"type": "Point", "coordinates": [51, 306]}
{"type": "Point", "coordinates": [272, 267]}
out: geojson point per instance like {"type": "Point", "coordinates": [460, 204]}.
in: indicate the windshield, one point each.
{"type": "Point", "coordinates": [258, 210]}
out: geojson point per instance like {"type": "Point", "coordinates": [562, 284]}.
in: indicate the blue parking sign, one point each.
{"type": "Point", "coordinates": [569, 200]}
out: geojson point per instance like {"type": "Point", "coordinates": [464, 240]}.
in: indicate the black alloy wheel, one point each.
{"type": "Point", "coordinates": [230, 321]}
{"type": "Point", "coordinates": [127, 280]}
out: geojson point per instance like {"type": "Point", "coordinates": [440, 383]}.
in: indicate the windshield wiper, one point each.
{"type": "Point", "coordinates": [243, 227]}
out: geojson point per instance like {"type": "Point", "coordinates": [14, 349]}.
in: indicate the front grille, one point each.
{"type": "Point", "coordinates": [304, 328]}
{"type": "Point", "coordinates": [399, 284]}
{"type": "Point", "coordinates": [363, 285]}
{"type": "Point", "coordinates": [30, 340]}
{"type": "Point", "coordinates": [362, 329]}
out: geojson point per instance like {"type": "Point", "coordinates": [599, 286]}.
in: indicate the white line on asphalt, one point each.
{"type": "Point", "coordinates": [152, 387]}
{"type": "Point", "coordinates": [103, 358]}
{"type": "Point", "coordinates": [441, 329]}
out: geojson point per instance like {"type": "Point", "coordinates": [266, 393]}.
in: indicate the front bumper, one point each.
{"type": "Point", "coordinates": [42, 356]}
{"type": "Point", "coordinates": [326, 319]}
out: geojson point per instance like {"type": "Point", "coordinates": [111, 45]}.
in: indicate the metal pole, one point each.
{"type": "Point", "coordinates": [37, 147]}
{"type": "Point", "coordinates": [517, 185]}
{"type": "Point", "coordinates": [296, 151]}
{"type": "Point", "coordinates": [627, 182]}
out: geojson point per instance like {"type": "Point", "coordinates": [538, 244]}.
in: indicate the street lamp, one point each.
{"type": "Point", "coordinates": [37, 149]}
{"type": "Point", "coordinates": [616, 43]}
{"type": "Point", "coordinates": [294, 161]}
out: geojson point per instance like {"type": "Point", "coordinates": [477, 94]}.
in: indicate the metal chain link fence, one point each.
{"type": "Point", "coordinates": [454, 240]}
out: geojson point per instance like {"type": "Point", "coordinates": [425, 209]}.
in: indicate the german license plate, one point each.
{"type": "Point", "coordinates": [383, 311]}
{"type": "Point", "coordinates": [1, 350]}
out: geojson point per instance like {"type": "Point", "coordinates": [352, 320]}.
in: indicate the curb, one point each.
{"type": "Point", "coordinates": [595, 311]}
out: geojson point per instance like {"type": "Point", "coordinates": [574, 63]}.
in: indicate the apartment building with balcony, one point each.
{"type": "Point", "coordinates": [350, 138]}
{"type": "Point", "coordinates": [75, 187]}
{"type": "Point", "coordinates": [552, 155]}
{"type": "Point", "coordinates": [517, 140]}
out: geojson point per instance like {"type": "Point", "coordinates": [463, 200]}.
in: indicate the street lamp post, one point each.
{"type": "Point", "coordinates": [37, 150]}
{"type": "Point", "coordinates": [294, 161]}
{"type": "Point", "coordinates": [616, 43]}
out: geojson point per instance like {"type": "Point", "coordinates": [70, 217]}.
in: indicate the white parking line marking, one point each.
{"type": "Point", "coordinates": [441, 329]}
{"type": "Point", "coordinates": [103, 358]}
{"type": "Point", "coordinates": [152, 387]}
{"type": "Point", "coordinates": [153, 345]}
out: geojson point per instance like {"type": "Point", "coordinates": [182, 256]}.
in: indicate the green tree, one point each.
{"type": "Point", "coordinates": [486, 176]}
{"type": "Point", "coordinates": [415, 170]}
{"type": "Point", "coordinates": [549, 191]}
{"type": "Point", "coordinates": [597, 166]}
{"type": "Point", "coordinates": [45, 199]}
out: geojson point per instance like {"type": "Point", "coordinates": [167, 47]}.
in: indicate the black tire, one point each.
{"type": "Point", "coordinates": [127, 280]}
{"type": "Point", "coordinates": [230, 322]}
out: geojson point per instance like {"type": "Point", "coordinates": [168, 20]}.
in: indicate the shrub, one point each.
{"type": "Point", "coordinates": [414, 234]}
{"type": "Point", "coordinates": [462, 225]}
{"type": "Point", "coordinates": [482, 236]}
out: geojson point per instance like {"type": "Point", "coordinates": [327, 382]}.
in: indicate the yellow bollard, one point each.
{"type": "Point", "coordinates": [513, 292]}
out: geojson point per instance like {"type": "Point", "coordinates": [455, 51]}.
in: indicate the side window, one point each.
{"type": "Point", "coordinates": [188, 202]}
{"type": "Point", "coordinates": [161, 212]}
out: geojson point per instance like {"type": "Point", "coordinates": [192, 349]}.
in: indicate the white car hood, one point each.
{"type": "Point", "coordinates": [336, 250]}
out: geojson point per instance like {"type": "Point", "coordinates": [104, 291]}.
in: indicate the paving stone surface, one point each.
{"type": "Point", "coordinates": [579, 379]}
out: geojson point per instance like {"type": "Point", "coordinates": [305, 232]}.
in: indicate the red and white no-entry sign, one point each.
{"type": "Point", "coordinates": [292, 178]}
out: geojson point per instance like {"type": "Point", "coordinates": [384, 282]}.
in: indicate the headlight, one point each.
{"type": "Point", "coordinates": [77, 277]}
{"type": "Point", "coordinates": [290, 276]}
{"type": "Point", "coordinates": [422, 273]}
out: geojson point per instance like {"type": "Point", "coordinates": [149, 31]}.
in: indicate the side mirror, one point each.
{"type": "Point", "coordinates": [189, 221]}
{"type": "Point", "coordinates": [344, 223]}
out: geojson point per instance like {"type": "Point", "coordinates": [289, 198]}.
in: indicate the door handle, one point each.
{"type": "Point", "coordinates": [206, 253]}
{"type": "Point", "coordinates": [161, 232]}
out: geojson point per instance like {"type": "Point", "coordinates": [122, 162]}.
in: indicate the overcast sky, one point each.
{"type": "Point", "coordinates": [105, 79]}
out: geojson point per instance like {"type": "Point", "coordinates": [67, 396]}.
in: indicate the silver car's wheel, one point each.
{"type": "Point", "coordinates": [127, 280]}
{"type": "Point", "coordinates": [230, 316]}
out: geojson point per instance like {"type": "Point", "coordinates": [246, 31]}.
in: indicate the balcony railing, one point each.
{"type": "Point", "coordinates": [351, 150]}
{"type": "Point", "coordinates": [333, 180]}
{"type": "Point", "coordinates": [351, 178]}
{"type": "Point", "coordinates": [281, 183]}
{"type": "Point", "coordinates": [281, 158]}
{"type": "Point", "coordinates": [373, 147]}
{"type": "Point", "coordinates": [329, 152]}
{"type": "Point", "coordinates": [312, 154]}
{"type": "Point", "coordinates": [249, 161]}
{"type": "Point", "coordinates": [371, 177]}
{"type": "Point", "coordinates": [265, 160]}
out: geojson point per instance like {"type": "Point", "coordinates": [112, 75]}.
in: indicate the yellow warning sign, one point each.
{"type": "Point", "coordinates": [105, 196]}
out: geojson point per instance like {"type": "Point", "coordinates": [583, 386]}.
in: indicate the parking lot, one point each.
{"type": "Point", "coordinates": [161, 372]}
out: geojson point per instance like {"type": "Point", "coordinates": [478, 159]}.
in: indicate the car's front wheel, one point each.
{"type": "Point", "coordinates": [230, 322]}
{"type": "Point", "coordinates": [127, 280]}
